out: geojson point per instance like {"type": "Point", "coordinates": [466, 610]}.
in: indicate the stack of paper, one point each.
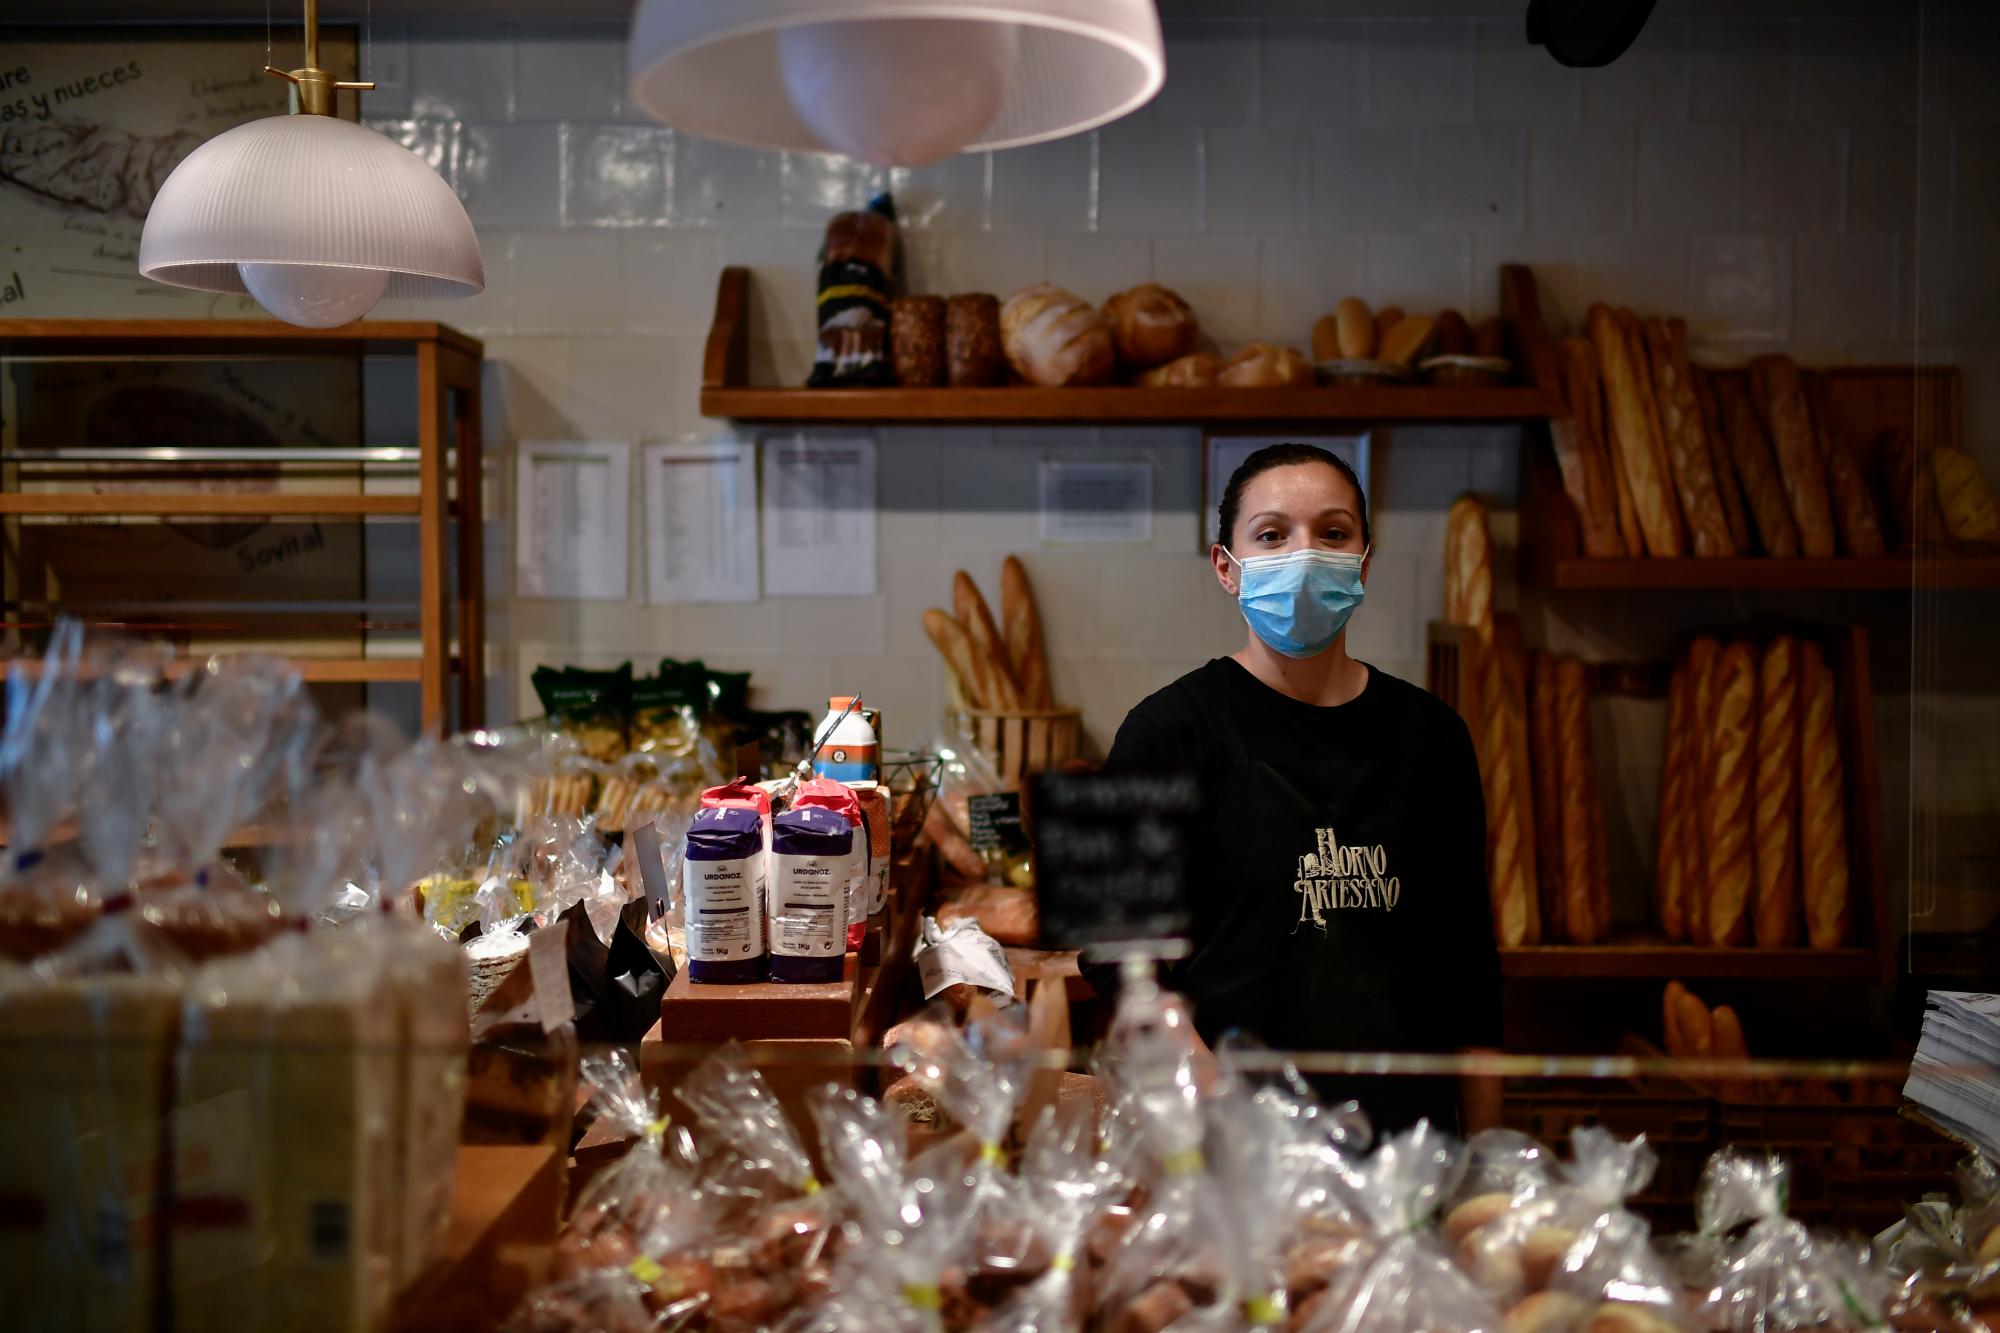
{"type": "Point", "coordinates": [1955, 1077]}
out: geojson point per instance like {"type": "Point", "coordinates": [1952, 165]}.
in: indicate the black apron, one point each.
{"type": "Point", "coordinates": [1311, 928]}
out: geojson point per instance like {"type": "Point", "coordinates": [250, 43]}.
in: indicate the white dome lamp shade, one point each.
{"type": "Point", "coordinates": [893, 82]}
{"type": "Point", "coordinates": [314, 217]}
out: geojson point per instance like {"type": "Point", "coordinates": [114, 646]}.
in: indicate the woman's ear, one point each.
{"type": "Point", "coordinates": [1225, 568]}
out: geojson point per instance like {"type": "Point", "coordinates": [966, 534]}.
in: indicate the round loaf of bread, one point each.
{"type": "Point", "coordinates": [1196, 370]}
{"type": "Point", "coordinates": [1262, 366]}
{"type": "Point", "coordinates": [1150, 326]}
{"type": "Point", "coordinates": [1054, 339]}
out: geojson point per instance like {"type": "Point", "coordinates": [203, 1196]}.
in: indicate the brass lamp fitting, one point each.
{"type": "Point", "coordinates": [314, 87]}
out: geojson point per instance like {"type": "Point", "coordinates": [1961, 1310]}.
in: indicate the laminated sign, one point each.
{"type": "Point", "coordinates": [1111, 856]}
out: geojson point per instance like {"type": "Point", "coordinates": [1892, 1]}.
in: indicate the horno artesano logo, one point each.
{"type": "Point", "coordinates": [1336, 877]}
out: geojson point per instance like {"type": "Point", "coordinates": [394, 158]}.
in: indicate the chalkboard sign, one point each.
{"type": "Point", "coordinates": [1111, 855]}
{"type": "Point", "coordinates": [993, 823]}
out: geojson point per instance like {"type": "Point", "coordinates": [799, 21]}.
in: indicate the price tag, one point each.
{"type": "Point", "coordinates": [647, 848]}
{"type": "Point", "coordinates": [548, 968]}
{"type": "Point", "coordinates": [967, 954]}
{"type": "Point", "coordinates": [1111, 856]}
{"type": "Point", "coordinates": [994, 823]}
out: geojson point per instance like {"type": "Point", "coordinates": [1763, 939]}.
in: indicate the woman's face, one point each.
{"type": "Point", "coordinates": [1293, 508]}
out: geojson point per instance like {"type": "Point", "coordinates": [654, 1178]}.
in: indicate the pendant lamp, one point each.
{"type": "Point", "coordinates": [893, 82]}
{"type": "Point", "coordinates": [313, 216]}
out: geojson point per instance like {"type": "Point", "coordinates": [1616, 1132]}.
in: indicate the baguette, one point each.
{"type": "Point", "coordinates": [1777, 793]}
{"type": "Point", "coordinates": [1702, 655]}
{"type": "Point", "coordinates": [973, 670]}
{"type": "Point", "coordinates": [1727, 1034]}
{"type": "Point", "coordinates": [1781, 403]}
{"type": "Point", "coordinates": [1763, 485]}
{"type": "Point", "coordinates": [1628, 513]}
{"type": "Point", "coordinates": [977, 618]}
{"type": "Point", "coordinates": [1579, 442]}
{"type": "Point", "coordinates": [1579, 889]}
{"type": "Point", "coordinates": [1509, 846]}
{"type": "Point", "coordinates": [1854, 508]}
{"type": "Point", "coordinates": [1026, 654]}
{"type": "Point", "coordinates": [1686, 444]}
{"type": "Point", "coordinates": [1730, 816]}
{"type": "Point", "coordinates": [1634, 434]}
{"type": "Point", "coordinates": [1822, 813]}
{"type": "Point", "coordinates": [1635, 341]}
{"type": "Point", "coordinates": [1697, 1027]}
{"type": "Point", "coordinates": [1670, 1019]}
{"type": "Point", "coordinates": [1718, 450]}
{"type": "Point", "coordinates": [1671, 854]}
{"type": "Point", "coordinates": [1514, 676]}
{"type": "Point", "coordinates": [1468, 566]}
{"type": "Point", "coordinates": [1550, 812]}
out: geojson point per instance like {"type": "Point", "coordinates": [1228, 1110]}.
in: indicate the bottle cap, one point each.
{"type": "Point", "coordinates": [839, 703]}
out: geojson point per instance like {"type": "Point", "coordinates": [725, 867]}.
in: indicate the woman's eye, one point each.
{"type": "Point", "coordinates": [1336, 534]}
{"type": "Point", "coordinates": [1269, 536]}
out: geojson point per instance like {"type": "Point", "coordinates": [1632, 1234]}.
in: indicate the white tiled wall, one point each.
{"type": "Point", "coordinates": [1780, 182]}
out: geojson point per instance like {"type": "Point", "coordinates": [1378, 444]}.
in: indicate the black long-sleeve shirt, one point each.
{"type": "Point", "coordinates": [1338, 886]}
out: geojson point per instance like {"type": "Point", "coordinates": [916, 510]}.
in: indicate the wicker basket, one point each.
{"type": "Point", "coordinates": [1023, 743]}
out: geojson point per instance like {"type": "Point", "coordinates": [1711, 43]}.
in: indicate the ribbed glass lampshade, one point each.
{"type": "Point", "coordinates": [898, 82]}
{"type": "Point", "coordinates": [310, 192]}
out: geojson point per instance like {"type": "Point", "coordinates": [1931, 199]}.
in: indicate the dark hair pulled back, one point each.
{"type": "Point", "coordinates": [1283, 455]}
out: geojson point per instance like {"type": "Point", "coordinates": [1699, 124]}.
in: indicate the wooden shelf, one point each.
{"type": "Point", "coordinates": [1117, 405]}
{"type": "Point", "coordinates": [726, 392]}
{"type": "Point", "coordinates": [1839, 574]}
{"type": "Point", "coordinates": [1655, 960]}
{"type": "Point", "coordinates": [209, 337]}
{"type": "Point", "coordinates": [313, 670]}
{"type": "Point", "coordinates": [153, 503]}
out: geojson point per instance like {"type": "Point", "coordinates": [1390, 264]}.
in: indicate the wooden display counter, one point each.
{"type": "Point", "coordinates": [504, 1205]}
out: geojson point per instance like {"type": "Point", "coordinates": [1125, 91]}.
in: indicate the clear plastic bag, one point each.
{"type": "Point", "coordinates": [1528, 1214]}
{"type": "Point", "coordinates": [1062, 1185]}
{"type": "Point", "coordinates": [626, 1205]}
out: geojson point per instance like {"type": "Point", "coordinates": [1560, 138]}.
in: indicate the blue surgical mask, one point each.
{"type": "Point", "coordinates": [1298, 602]}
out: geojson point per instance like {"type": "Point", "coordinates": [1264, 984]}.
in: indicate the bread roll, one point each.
{"type": "Point", "coordinates": [1687, 446]}
{"type": "Point", "coordinates": [1854, 510]}
{"type": "Point", "coordinates": [1022, 623]}
{"type": "Point", "coordinates": [1546, 763]}
{"type": "Point", "coordinates": [977, 617]}
{"type": "Point", "coordinates": [972, 352]}
{"type": "Point", "coordinates": [1542, 1253]}
{"type": "Point", "coordinates": [1468, 565]}
{"type": "Point", "coordinates": [1325, 340]}
{"type": "Point", "coordinates": [1196, 370]}
{"type": "Point", "coordinates": [1670, 861]}
{"type": "Point", "coordinates": [1545, 1312]}
{"type": "Point", "coordinates": [1474, 1213]}
{"type": "Point", "coordinates": [1354, 331]}
{"type": "Point", "coordinates": [1388, 317]}
{"type": "Point", "coordinates": [1405, 339]}
{"type": "Point", "coordinates": [1702, 655]}
{"type": "Point", "coordinates": [1633, 434]}
{"type": "Point", "coordinates": [1964, 498]}
{"type": "Point", "coordinates": [1732, 758]}
{"type": "Point", "coordinates": [1578, 781]}
{"type": "Point", "coordinates": [1262, 366]}
{"type": "Point", "coordinates": [1453, 336]}
{"type": "Point", "coordinates": [1718, 451]}
{"type": "Point", "coordinates": [1756, 467]}
{"type": "Point", "coordinates": [1777, 793]}
{"type": "Point", "coordinates": [1580, 452]}
{"type": "Point", "coordinates": [1781, 404]}
{"type": "Point", "coordinates": [1054, 338]}
{"type": "Point", "coordinates": [1624, 1317]}
{"type": "Point", "coordinates": [1822, 805]}
{"type": "Point", "coordinates": [1150, 326]}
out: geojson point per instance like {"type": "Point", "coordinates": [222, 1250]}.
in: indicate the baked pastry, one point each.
{"type": "Point", "coordinates": [1692, 467]}
{"type": "Point", "coordinates": [1262, 366]}
{"type": "Point", "coordinates": [1580, 452]}
{"type": "Point", "coordinates": [1468, 565]}
{"type": "Point", "coordinates": [1452, 336]}
{"type": "Point", "coordinates": [1634, 433]}
{"type": "Point", "coordinates": [1150, 326]}
{"type": "Point", "coordinates": [1776, 793]}
{"type": "Point", "coordinates": [1546, 765]}
{"type": "Point", "coordinates": [1022, 625]}
{"type": "Point", "coordinates": [1726, 482]}
{"type": "Point", "coordinates": [1702, 655]}
{"type": "Point", "coordinates": [1757, 468]}
{"type": "Point", "coordinates": [1964, 498]}
{"type": "Point", "coordinates": [1822, 805]}
{"type": "Point", "coordinates": [1406, 339]}
{"type": "Point", "coordinates": [973, 356]}
{"type": "Point", "coordinates": [1854, 510]}
{"type": "Point", "coordinates": [1781, 403]}
{"type": "Point", "coordinates": [1670, 863]}
{"type": "Point", "coordinates": [1545, 1312]}
{"type": "Point", "coordinates": [916, 340]}
{"type": "Point", "coordinates": [1054, 339]}
{"type": "Point", "coordinates": [1196, 370]}
{"type": "Point", "coordinates": [1729, 816]}
{"type": "Point", "coordinates": [1582, 913]}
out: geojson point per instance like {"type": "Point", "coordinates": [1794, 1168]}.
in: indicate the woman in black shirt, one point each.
{"type": "Point", "coordinates": [1338, 886]}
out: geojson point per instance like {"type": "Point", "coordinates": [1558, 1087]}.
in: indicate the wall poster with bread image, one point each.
{"type": "Point", "coordinates": [92, 121]}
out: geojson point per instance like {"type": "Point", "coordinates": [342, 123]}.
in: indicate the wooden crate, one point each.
{"type": "Point", "coordinates": [1025, 743]}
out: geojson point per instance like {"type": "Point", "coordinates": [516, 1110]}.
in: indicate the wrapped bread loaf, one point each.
{"type": "Point", "coordinates": [1781, 404]}
{"type": "Point", "coordinates": [1726, 480]}
{"type": "Point", "coordinates": [1262, 366]}
{"type": "Point", "coordinates": [1670, 883]}
{"type": "Point", "coordinates": [1777, 793]}
{"type": "Point", "coordinates": [1581, 454]}
{"type": "Point", "coordinates": [1757, 468]}
{"type": "Point", "coordinates": [1686, 441]}
{"type": "Point", "coordinates": [1702, 655]}
{"type": "Point", "coordinates": [973, 355]}
{"type": "Point", "coordinates": [1729, 816]}
{"type": "Point", "coordinates": [1053, 338]}
{"type": "Point", "coordinates": [1822, 805]}
{"type": "Point", "coordinates": [1196, 370]}
{"type": "Point", "coordinates": [1635, 433]}
{"type": "Point", "coordinates": [1150, 326]}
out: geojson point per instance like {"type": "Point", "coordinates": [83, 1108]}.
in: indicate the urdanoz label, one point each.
{"type": "Point", "coordinates": [811, 865]}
